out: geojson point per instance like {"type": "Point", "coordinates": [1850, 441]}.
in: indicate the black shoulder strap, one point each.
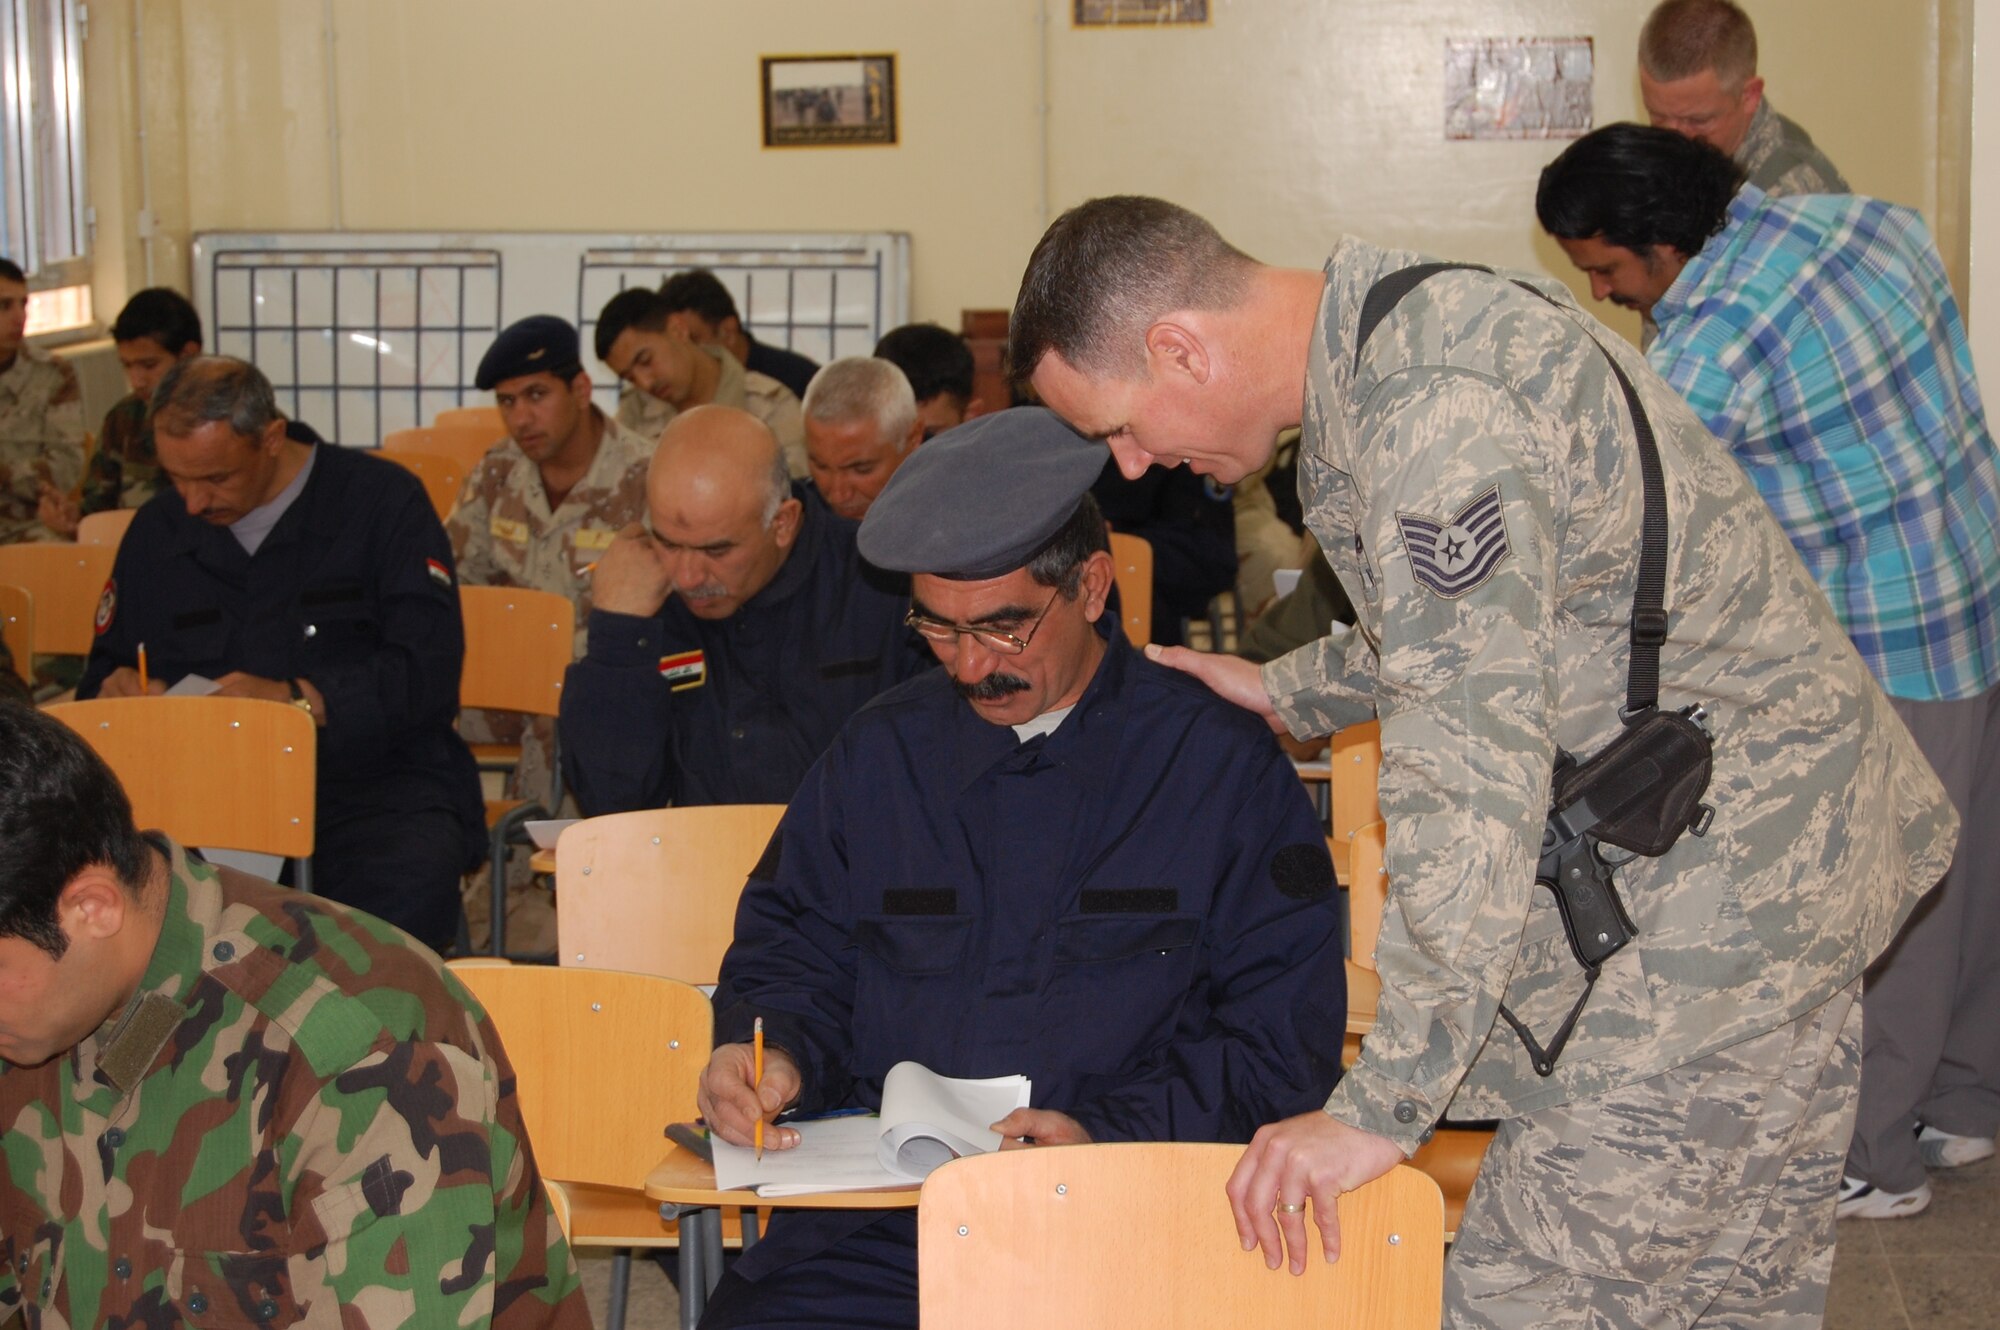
{"type": "Point", "coordinates": [1649, 615]}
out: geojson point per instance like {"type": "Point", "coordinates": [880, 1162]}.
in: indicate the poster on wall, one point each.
{"type": "Point", "coordinates": [1130, 13]}
{"type": "Point", "coordinates": [819, 101]}
{"type": "Point", "coordinates": [1517, 87]}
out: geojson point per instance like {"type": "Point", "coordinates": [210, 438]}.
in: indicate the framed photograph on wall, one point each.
{"type": "Point", "coordinates": [817, 101]}
{"type": "Point", "coordinates": [1135, 13]}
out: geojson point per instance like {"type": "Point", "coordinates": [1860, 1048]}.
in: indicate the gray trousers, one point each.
{"type": "Point", "coordinates": [1931, 1044]}
{"type": "Point", "coordinates": [1702, 1196]}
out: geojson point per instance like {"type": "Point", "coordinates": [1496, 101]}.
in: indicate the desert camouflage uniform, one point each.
{"type": "Point", "coordinates": [125, 470]}
{"type": "Point", "coordinates": [1828, 823]}
{"type": "Point", "coordinates": [747, 390]}
{"type": "Point", "coordinates": [503, 534]}
{"type": "Point", "coordinates": [1781, 158]}
{"type": "Point", "coordinates": [299, 1119]}
{"type": "Point", "coordinates": [41, 439]}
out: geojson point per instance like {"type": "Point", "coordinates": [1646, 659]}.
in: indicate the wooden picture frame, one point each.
{"type": "Point", "coordinates": [829, 101]}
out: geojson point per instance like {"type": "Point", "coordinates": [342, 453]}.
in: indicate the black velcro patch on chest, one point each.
{"type": "Point", "coordinates": [1132, 900]}
{"type": "Point", "coordinates": [847, 669]}
{"type": "Point", "coordinates": [920, 900]}
{"type": "Point", "coordinates": [340, 593]}
{"type": "Point", "coordinates": [197, 619]}
{"type": "Point", "coordinates": [1304, 872]}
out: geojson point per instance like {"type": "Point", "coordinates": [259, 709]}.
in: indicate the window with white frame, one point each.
{"type": "Point", "coordinates": [45, 224]}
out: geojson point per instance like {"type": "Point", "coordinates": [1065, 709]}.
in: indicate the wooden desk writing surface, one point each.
{"type": "Point", "coordinates": [683, 1179]}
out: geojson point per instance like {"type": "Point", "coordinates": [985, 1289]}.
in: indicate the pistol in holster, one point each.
{"type": "Point", "coordinates": [1636, 795]}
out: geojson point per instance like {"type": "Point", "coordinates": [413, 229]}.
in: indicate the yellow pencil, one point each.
{"type": "Point", "coordinates": [143, 682]}
{"type": "Point", "coordinates": [757, 1056]}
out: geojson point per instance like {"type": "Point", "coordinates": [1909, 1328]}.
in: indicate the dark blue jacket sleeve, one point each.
{"type": "Point", "coordinates": [1266, 1045]}
{"type": "Point", "coordinates": [115, 644]}
{"type": "Point", "coordinates": [410, 680]}
{"type": "Point", "coordinates": [792, 960]}
{"type": "Point", "coordinates": [617, 719]}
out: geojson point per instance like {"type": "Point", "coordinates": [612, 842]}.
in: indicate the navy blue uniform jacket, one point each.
{"type": "Point", "coordinates": [353, 589]}
{"type": "Point", "coordinates": [1136, 911]}
{"type": "Point", "coordinates": [675, 709]}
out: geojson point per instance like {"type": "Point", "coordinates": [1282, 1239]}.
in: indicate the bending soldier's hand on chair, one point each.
{"type": "Point", "coordinates": [731, 1103]}
{"type": "Point", "coordinates": [1309, 1158]}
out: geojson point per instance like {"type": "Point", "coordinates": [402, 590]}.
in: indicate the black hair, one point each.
{"type": "Point", "coordinates": [61, 811]}
{"type": "Point", "coordinates": [12, 272]}
{"type": "Point", "coordinates": [934, 359]}
{"type": "Point", "coordinates": [1107, 270]}
{"type": "Point", "coordinates": [1059, 562]}
{"type": "Point", "coordinates": [699, 291]}
{"type": "Point", "coordinates": [1638, 187]}
{"type": "Point", "coordinates": [634, 307]}
{"type": "Point", "coordinates": [161, 314]}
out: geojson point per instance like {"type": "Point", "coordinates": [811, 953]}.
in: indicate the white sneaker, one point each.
{"type": "Point", "coordinates": [1864, 1200]}
{"type": "Point", "coordinates": [1941, 1149]}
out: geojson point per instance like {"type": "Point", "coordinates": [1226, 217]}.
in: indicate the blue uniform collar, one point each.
{"type": "Point", "coordinates": [1096, 725]}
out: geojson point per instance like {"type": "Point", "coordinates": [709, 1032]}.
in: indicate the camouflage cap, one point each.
{"type": "Point", "coordinates": [539, 344]}
{"type": "Point", "coordinates": [981, 498]}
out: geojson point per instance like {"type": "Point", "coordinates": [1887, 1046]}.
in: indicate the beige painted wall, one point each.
{"type": "Point", "coordinates": [1286, 121]}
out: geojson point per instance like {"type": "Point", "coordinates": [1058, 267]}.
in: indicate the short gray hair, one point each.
{"type": "Point", "coordinates": [206, 389]}
{"type": "Point", "coordinates": [864, 388]}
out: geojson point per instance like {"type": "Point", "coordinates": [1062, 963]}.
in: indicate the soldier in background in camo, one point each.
{"type": "Point", "coordinates": [1471, 472]}
{"type": "Point", "coordinates": [668, 373]}
{"type": "Point", "coordinates": [700, 306]}
{"type": "Point", "coordinates": [1698, 77]}
{"type": "Point", "coordinates": [41, 419]}
{"type": "Point", "coordinates": [228, 1103]}
{"type": "Point", "coordinates": [538, 511]}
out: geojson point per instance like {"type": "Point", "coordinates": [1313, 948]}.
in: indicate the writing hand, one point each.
{"type": "Point", "coordinates": [730, 1101]}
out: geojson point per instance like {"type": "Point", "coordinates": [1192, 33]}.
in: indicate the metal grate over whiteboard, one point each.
{"type": "Point", "coordinates": [366, 332]}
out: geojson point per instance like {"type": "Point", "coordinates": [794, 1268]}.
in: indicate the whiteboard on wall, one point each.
{"type": "Point", "coordinates": [363, 332]}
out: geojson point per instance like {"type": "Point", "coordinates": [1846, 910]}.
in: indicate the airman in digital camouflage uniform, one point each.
{"type": "Point", "coordinates": [538, 511]}
{"type": "Point", "coordinates": [668, 373]}
{"type": "Point", "coordinates": [1680, 1164]}
{"type": "Point", "coordinates": [41, 419]}
{"type": "Point", "coordinates": [226, 1103]}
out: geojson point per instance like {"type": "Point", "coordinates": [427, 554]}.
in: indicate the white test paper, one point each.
{"type": "Point", "coordinates": [837, 1154]}
{"type": "Point", "coordinates": [194, 685]}
{"type": "Point", "coordinates": [930, 1119]}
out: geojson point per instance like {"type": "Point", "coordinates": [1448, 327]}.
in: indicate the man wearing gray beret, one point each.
{"type": "Point", "coordinates": [1050, 857]}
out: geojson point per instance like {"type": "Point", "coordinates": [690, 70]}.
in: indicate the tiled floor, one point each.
{"type": "Point", "coordinates": [1939, 1271]}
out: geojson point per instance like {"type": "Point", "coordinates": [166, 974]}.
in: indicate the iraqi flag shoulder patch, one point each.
{"type": "Point", "coordinates": [439, 573]}
{"type": "Point", "coordinates": [1450, 556]}
{"type": "Point", "coordinates": [107, 607]}
{"type": "Point", "coordinates": [684, 670]}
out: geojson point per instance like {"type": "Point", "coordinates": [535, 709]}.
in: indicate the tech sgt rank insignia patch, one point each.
{"type": "Point", "coordinates": [1454, 556]}
{"type": "Point", "coordinates": [684, 669]}
{"type": "Point", "coordinates": [107, 606]}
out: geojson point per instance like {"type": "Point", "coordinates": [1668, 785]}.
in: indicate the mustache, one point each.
{"type": "Point", "coordinates": [706, 591]}
{"type": "Point", "coordinates": [992, 688]}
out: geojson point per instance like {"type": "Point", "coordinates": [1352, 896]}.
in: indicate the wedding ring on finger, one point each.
{"type": "Point", "coordinates": [1291, 1209]}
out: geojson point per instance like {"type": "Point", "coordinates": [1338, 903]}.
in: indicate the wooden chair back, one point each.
{"type": "Point", "coordinates": [464, 444]}
{"type": "Point", "coordinates": [1139, 1236]}
{"type": "Point", "coordinates": [229, 772]}
{"type": "Point", "coordinates": [67, 582]}
{"type": "Point", "coordinates": [603, 1061]}
{"type": "Point", "coordinates": [17, 630]}
{"type": "Point", "coordinates": [1132, 566]}
{"type": "Point", "coordinates": [517, 644]}
{"type": "Point", "coordinates": [1354, 765]}
{"type": "Point", "coordinates": [656, 890]}
{"type": "Point", "coordinates": [486, 418]}
{"type": "Point", "coordinates": [106, 528]}
{"type": "Point", "coordinates": [1367, 890]}
{"type": "Point", "coordinates": [443, 476]}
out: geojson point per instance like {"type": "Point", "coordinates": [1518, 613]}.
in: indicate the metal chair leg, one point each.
{"type": "Point", "coordinates": [621, 1279]}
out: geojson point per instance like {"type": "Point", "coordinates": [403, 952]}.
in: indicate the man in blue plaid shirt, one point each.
{"type": "Point", "coordinates": [1817, 336]}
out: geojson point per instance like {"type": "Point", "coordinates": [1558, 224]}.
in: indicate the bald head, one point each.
{"type": "Point", "coordinates": [720, 508]}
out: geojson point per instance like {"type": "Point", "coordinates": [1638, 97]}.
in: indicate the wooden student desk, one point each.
{"type": "Point", "coordinates": [685, 1187]}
